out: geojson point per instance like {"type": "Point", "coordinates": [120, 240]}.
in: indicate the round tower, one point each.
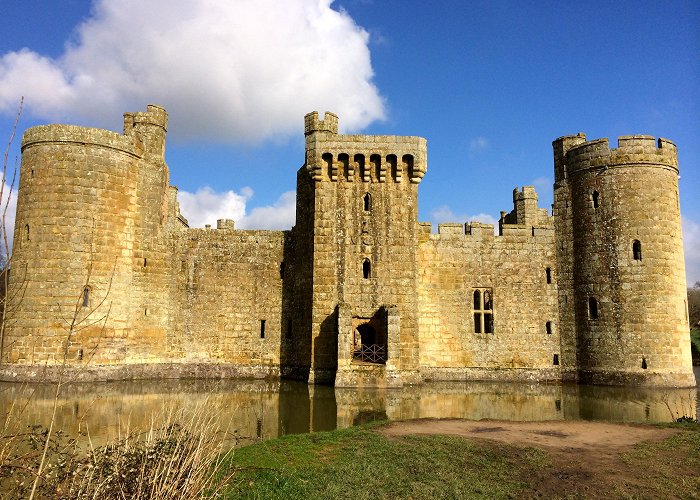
{"type": "Point", "coordinates": [628, 273]}
{"type": "Point", "coordinates": [87, 200]}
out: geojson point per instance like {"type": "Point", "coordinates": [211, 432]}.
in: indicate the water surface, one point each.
{"type": "Point", "coordinates": [258, 409]}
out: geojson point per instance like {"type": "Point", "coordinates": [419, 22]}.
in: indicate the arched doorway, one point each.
{"type": "Point", "coordinates": [367, 347]}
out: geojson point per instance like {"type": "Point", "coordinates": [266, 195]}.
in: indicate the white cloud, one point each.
{"type": "Point", "coordinates": [206, 206]}
{"type": "Point", "coordinates": [478, 144]}
{"type": "Point", "coordinates": [281, 215]}
{"type": "Point", "coordinates": [691, 246]}
{"type": "Point", "coordinates": [239, 71]}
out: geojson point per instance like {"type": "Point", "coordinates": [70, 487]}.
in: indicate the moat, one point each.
{"type": "Point", "coordinates": [257, 409]}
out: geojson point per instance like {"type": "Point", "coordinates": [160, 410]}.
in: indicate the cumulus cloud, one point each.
{"type": "Point", "coordinates": [238, 72]}
{"type": "Point", "coordinates": [206, 206]}
{"type": "Point", "coordinates": [691, 246]}
{"type": "Point", "coordinates": [280, 215]}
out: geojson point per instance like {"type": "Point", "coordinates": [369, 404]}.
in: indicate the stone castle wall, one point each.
{"type": "Point", "coordinates": [517, 269]}
{"type": "Point", "coordinates": [100, 244]}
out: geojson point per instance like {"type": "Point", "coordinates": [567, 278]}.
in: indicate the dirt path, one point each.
{"type": "Point", "coordinates": [567, 436]}
{"type": "Point", "coordinates": [585, 456]}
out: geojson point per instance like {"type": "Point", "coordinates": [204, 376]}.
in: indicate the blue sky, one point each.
{"type": "Point", "coordinates": [489, 84]}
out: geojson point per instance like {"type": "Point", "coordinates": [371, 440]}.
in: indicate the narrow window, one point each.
{"type": "Point", "coordinates": [592, 308]}
{"type": "Point", "coordinates": [367, 200]}
{"type": "Point", "coordinates": [262, 328]}
{"type": "Point", "coordinates": [555, 361]}
{"type": "Point", "coordinates": [282, 268]}
{"type": "Point", "coordinates": [596, 195]}
{"type": "Point", "coordinates": [477, 322]}
{"type": "Point", "coordinates": [86, 297]}
{"type": "Point", "coordinates": [145, 311]}
{"type": "Point", "coordinates": [145, 262]}
{"type": "Point", "coordinates": [637, 250]}
{"type": "Point", "coordinates": [483, 310]}
{"type": "Point", "coordinates": [487, 301]}
{"type": "Point", "coordinates": [488, 323]}
{"type": "Point", "coordinates": [366, 269]}
{"type": "Point", "coordinates": [644, 363]}
{"type": "Point", "coordinates": [549, 275]}
{"type": "Point", "coordinates": [27, 231]}
{"type": "Point", "coordinates": [548, 327]}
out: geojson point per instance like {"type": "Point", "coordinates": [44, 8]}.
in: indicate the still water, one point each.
{"type": "Point", "coordinates": [259, 409]}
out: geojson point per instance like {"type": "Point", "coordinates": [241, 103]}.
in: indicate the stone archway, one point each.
{"type": "Point", "coordinates": [368, 346]}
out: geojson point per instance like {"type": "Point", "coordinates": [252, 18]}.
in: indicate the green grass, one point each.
{"type": "Point", "coordinates": [360, 463]}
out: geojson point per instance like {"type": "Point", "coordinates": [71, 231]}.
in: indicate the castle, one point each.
{"type": "Point", "coordinates": [108, 277]}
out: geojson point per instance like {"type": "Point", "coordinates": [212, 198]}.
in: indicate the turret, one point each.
{"type": "Point", "coordinates": [621, 260]}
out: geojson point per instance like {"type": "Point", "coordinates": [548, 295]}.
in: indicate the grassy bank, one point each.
{"type": "Point", "coordinates": [363, 463]}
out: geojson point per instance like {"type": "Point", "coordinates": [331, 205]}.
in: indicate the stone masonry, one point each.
{"type": "Point", "coordinates": [108, 277]}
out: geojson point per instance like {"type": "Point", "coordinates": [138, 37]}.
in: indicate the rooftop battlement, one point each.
{"type": "Point", "coordinates": [154, 115]}
{"type": "Point", "coordinates": [313, 124]}
{"type": "Point", "coordinates": [631, 150]}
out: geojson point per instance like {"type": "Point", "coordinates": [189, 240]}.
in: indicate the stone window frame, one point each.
{"type": "Point", "coordinates": [482, 310]}
{"type": "Point", "coordinates": [367, 202]}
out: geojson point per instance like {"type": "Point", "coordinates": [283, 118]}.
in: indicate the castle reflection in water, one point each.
{"type": "Point", "coordinates": [259, 409]}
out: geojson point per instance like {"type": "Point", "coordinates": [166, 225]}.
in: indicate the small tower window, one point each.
{"type": "Point", "coordinates": [644, 363]}
{"type": "Point", "coordinates": [366, 269]}
{"type": "Point", "coordinates": [548, 327]}
{"type": "Point", "coordinates": [367, 202]}
{"type": "Point", "coordinates": [262, 328]}
{"type": "Point", "coordinates": [637, 250]}
{"type": "Point", "coordinates": [555, 361]}
{"type": "Point", "coordinates": [549, 275]}
{"type": "Point", "coordinates": [592, 308]}
{"type": "Point", "coordinates": [27, 231]}
{"type": "Point", "coordinates": [86, 296]}
{"type": "Point", "coordinates": [595, 198]}
{"type": "Point", "coordinates": [282, 269]}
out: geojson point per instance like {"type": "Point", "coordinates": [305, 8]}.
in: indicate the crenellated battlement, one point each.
{"type": "Point", "coordinates": [642, 150]}
{"type": "Point", "coordinates": [365, 158]}
{"type": "Point", "coordinates": [312, 124]}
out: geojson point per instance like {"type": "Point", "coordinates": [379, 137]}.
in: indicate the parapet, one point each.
{"type": "Point", "coordinates": [365, 158]}
{"type": "Point", "coordinates": [73, 134]}
{"type": "Point", "coordinates": [632, 150]}
{"type": "Point", "coordinates": [313, 124]}
{"type": "Point", "coordinates": [154, 115]}
{"type": "Point", "coordinates": [527, 193]}
{"type": "Point", "coordinates": [225, 224]}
